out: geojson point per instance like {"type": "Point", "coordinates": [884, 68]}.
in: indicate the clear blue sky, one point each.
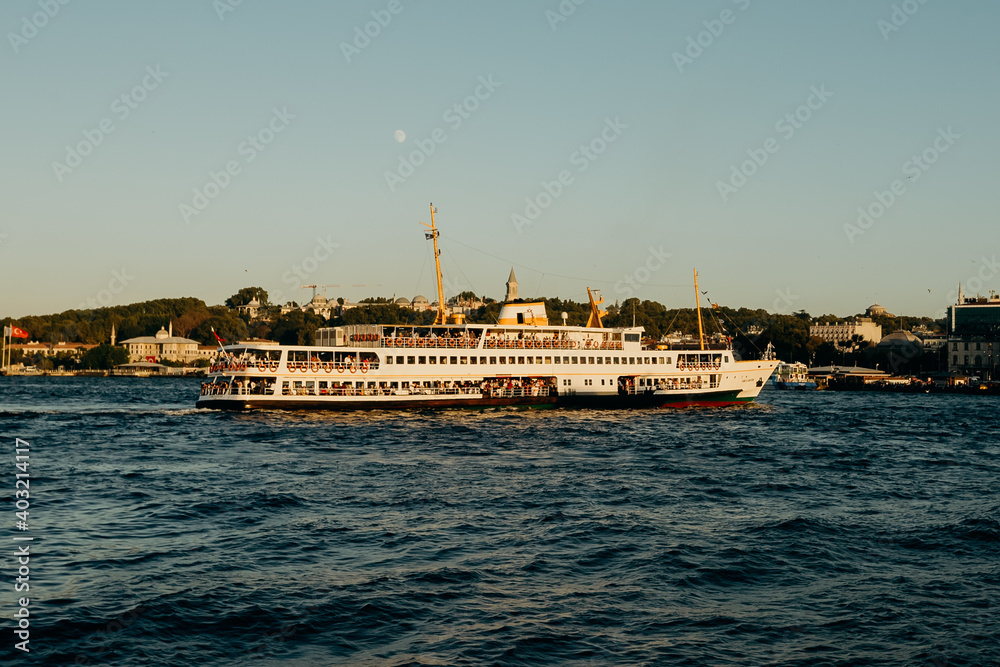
{"type": "Point", "coordinates": [673, 129]}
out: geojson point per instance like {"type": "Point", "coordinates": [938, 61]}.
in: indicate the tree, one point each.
{"type": "Point", "coordinates": [104, 357]}
{"type": "Point", "coordinates": [227, 325]}
{"type": "Point", "coordinates": [296, 328]}
{"type": "Point", "coordinates": [246, 295]}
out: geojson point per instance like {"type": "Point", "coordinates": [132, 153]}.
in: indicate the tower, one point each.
{"type": "Point", "coordinates": [511, 287]}
{"type": "Point", "coordinates": [112, 335]}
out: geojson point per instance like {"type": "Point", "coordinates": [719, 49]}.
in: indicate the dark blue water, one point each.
{"type": "Point", "coordinates": [808, 529]}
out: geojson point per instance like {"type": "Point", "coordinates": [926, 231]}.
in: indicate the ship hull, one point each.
{"type": "Point", "coordinates": [394, 403]}
{"type": "Point", "coordinates": [709, 399]}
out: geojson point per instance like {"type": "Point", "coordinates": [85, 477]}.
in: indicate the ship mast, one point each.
{"type": "Point", "coordinates": [697, 302]}
{"type": "Point", "coordinates": [433, 234]}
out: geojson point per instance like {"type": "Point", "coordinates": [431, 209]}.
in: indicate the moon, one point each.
{"type": "Point", "coordinates": [400, 136]}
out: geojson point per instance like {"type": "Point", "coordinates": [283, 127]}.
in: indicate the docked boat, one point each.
{"type": "Point", "coordinates": [792, 376]}
{"type": "Point", "coordinates": [521, 360]}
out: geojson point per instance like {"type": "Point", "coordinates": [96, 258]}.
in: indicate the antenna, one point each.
{"type": "Point", "coordinates": [697, 302]}
{"type": "Point", "coordinates": [433, 234]}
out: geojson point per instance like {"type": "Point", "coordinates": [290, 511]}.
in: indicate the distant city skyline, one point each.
{"type": "Point", "coordinates": [817, 157]}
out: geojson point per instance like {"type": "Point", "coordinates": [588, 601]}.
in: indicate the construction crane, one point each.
{"type": "Point", "coordinates": [314, 289]}
{"type": "Point", "coordinates": [325, 286]}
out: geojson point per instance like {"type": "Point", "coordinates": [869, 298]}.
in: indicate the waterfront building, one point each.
{"type": "Point", "coordinates": [165, 345]}
{"type": "Point", "coordinates": [51, 349]}
{"type": "Point", "coordinates": [974, 336]}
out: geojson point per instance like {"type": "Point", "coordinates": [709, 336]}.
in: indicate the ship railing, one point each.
{"type": "Point", "coordinates": [491, 343]}
{"type": "Point", "coordinates": [550, 344]}
{"type": "Point", "coordinates": [330, 366]}
{"type": "Point", "coordinates": [517, 392]}
{"type": "Point", "coordinates": [670, 385]}
{"type": "Point", "coordinates": [234, 389]}
{"type": "Point", "coordinates": [464, 343]}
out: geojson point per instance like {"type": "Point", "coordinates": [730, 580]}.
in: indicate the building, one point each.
{"type": "Point", "coordinates": [511, 288]}
{"type": "Point", "coordinates": [845, 331]}
{"type": "Point", "coordinates": [52, 349]}
{"type": "Point", "coordinates": [876, 309]}
{"type": "Point", "coordinates": [253, 310]}
{"type": "Point", "coordinates": [165, 345]}
{"type": "Point", "coordinates": [974, 336]}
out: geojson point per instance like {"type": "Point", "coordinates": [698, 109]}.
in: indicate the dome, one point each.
{"type": "Point", "coordinates": [420, 298]}
{"type": "Point", "coordinates": [162, 333]}
{"type": "Point", "coordinates": [876, 309]}
{"type": "Point", "coordinates": [254, 303]}
{"type": "Point", "coordinates": [402, 301]}
{"type": "Point", "coordinates": [899, 339]}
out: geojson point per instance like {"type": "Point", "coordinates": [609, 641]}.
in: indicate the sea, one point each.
{"type": "Point", "coordinates": [808, 528]}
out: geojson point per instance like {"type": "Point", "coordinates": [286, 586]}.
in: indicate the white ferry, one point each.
{"type": "Point", "coordinates": [522, 360]}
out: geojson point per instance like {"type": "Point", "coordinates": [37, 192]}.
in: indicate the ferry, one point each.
{"type": "Point", "coordinates": [521, 360]}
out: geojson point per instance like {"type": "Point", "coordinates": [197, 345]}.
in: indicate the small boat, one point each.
{"type": "Point", "coordinates": [792, 375]}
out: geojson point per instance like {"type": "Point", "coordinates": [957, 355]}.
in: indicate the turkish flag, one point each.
{"type": "Point", "coordinates": [18, 333]}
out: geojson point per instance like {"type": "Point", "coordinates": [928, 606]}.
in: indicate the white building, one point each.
{"type": "Point", "coordinates": [845, 331]}
{"type": "Point", "coordinates": [165, 345]}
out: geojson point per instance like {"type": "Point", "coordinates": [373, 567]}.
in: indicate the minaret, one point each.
{"type": "Point", "coordinates": [112, 335]}
{"type": "Point", "coordinates": [511, 287]}
{"type": "Point", "coordinates": [170, 331]}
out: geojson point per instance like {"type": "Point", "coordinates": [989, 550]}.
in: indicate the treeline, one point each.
{"type": "Point", "coordinates": [751, 330]}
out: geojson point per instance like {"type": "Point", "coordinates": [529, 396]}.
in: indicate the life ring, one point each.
{"type": "Point", "coordinates": [352, 368]}
{"type": "Point", "coordinates": [680, 365]}
{"type": "Point", "coordinates": [340, 368]}
{"type": "Point", "coordinates": [261, 366]}
{"type": "Point", "coordinates": [274, 366]}
{"type": "Point", "coordinates": [314, 367]}
{"type": "Point", "coordinates": [588, 343]}
{"type": "Point", "coordinates": [364, 366]}
{"type": "Point", "coordinates": [243, 365]}
{"type": "Point", "coordinates": [328, 368]}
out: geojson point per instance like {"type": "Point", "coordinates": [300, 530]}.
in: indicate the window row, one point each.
{"type": "Point", "coordinates": [569, 359]}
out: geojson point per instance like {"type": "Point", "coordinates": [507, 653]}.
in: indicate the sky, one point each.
{"type": "Point", "coordinates": [817, 156]}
